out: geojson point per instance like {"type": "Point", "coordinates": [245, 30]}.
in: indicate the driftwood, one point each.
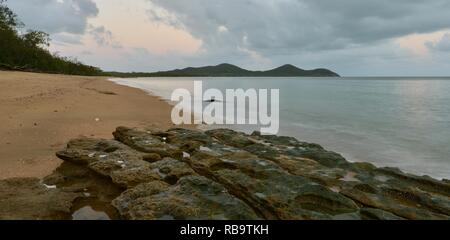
{"type": "Point", "coordinates": [25, 68]}
{"type": "Point", "coordinates": [5, 66]}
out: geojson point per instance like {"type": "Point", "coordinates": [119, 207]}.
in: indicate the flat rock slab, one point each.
{"type": "Point", "coordinates": [191, 198]}
{"type": "Point", "coordinates": [223, 174]}
{"type": "Point", "coordinates": [29, 198]}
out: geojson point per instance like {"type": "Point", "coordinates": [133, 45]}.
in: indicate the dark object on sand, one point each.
{"type": "Point", "coordinates": [213, 99]}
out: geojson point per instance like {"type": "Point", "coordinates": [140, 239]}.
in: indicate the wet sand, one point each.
{"type": "Point", "coordinates": [41, 112]}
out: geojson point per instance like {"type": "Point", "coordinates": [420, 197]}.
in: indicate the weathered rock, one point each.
{"type": "Point", "coordinates": [425, 183]}
{"type": "Point", "coordinates": [180, 135]}
{"type": "Point", "coordinates": [170, 170]}
{"type": "Point", "coordinates": [86, 150]}
{"type": "Point", "coordinates": [30, 199]}
{"type": "Point", "coordinates": [192, 198]}
{"type": "Point", "coordinates": [377, 214]}
{"type": "Point", "coordinates": [130, 177]}
{"type": "Point", "coordinates": [152, 157]}
{"type": "Point", "coordinates": [276, 177]}
{"type": "Point", "coordinates": [270, 190]}
{"type": "Point", "coordinates": [146, 142]}
{"type": "Point", "coordinates": [94, 191]}
{"type": "Point", "coordinates": [125, 166]}
{"type": "Point", "coordinates": [223, 174]}
{"type": "Point", "coordinates": [230, 137]}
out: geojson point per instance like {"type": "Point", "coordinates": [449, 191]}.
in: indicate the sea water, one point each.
{"type": "Point", "coordinates": [396, 122]}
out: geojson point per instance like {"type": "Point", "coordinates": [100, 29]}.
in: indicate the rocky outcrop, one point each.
{"type": "Point", "coordinates": [28, 198]}
{"type": "Point", "coordinates": [192, 197]}
{"type": "Point", "coordinates": [223, 174]}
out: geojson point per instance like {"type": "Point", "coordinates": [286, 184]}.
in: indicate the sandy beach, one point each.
{"type": "Point", "coordinates": [41, 112]}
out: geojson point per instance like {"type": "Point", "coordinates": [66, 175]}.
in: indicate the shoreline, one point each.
{"type": "Point", "coordinates": [349, 147]}
{"type": "Point", "coordinates": [79, 170]}
{"type": "Point", "coordinates": [42, 112]}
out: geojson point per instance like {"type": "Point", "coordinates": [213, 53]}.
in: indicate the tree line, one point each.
{"type": "Point", "coordinates": [27, 50]}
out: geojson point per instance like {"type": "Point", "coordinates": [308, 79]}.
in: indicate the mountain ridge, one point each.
{"type": "Point", "coordinates": [229, 70]}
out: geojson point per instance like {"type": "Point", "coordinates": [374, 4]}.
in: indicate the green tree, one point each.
{"type": "Point", "coordinates": [8, 20]}
{"type": "Point", "coordinates": [36, 39]}
{"type": "Point", "coordinates": [29, 51]}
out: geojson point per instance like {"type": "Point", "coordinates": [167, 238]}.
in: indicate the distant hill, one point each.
{"type": "Point", "coordinates": [293, 71]}
{"type": "Point", "coordinates": [228, 70]}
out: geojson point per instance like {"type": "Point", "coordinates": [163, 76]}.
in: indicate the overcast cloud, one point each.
{"type": "Point", "coordinates": [278, 26]}
{"type": "Point", "coordinates": [54, 16]}
{"type": "Point", "coordinates": [353, 37]}
{"type": "Point", "coordinates": [442, 45]}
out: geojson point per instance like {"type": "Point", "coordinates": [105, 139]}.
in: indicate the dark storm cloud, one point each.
{"type": "Point", "coordinates": [55, 16]}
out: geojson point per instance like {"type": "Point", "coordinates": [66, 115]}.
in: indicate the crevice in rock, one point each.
{"type": "Point", "coordinates": [223, 165]}
{"type": "Point", "coordinates": [171, 179]}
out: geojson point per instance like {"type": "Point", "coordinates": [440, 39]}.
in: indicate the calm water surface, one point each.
{"type": "Point", "coordinates": [398, 122]}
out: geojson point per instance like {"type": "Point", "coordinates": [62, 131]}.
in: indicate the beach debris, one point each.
{"type": "Point", "coordinates": [382, 178]}
{"type": "Point", "coordinates": [91, 155]}
{"type": "Point", "coordinates": [227, 160]}
{"type": "Point", "coordinates": [97, 119]}
{"type": "Point", "coordinates": [351, 177]}
{"type": "Point", "coordinates": [262, 163]}
{"type": "Point", "coordinates": [186, 155]}
{"type": "Point", "coordinates": [49, 186]}
{"type": "Point", "coordinates": [206, 149]}
{"type": "Point", "coordinates": [335, 189]}
{"type": "Point", "coordinates": [260, 195]}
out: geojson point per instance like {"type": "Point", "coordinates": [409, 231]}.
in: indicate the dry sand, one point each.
{"type": "Point", "coordinates": [41, 112]}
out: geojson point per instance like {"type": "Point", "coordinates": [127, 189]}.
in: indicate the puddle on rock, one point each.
{"type": "Point", "coordinates": [88, 213]}
{"type": "Point", "coordinates": [166, 217]}
{"type": "Point", "coordinates": [96, 192]}
{"type": "Point", "coordinates": [93, 209]}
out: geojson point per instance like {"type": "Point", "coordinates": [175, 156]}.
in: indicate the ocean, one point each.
{"type": "Point", "coordinates": [395, 122]}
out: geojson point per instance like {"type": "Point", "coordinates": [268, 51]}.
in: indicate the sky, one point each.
{"type": "Point", "coordinates": [351, 37]}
